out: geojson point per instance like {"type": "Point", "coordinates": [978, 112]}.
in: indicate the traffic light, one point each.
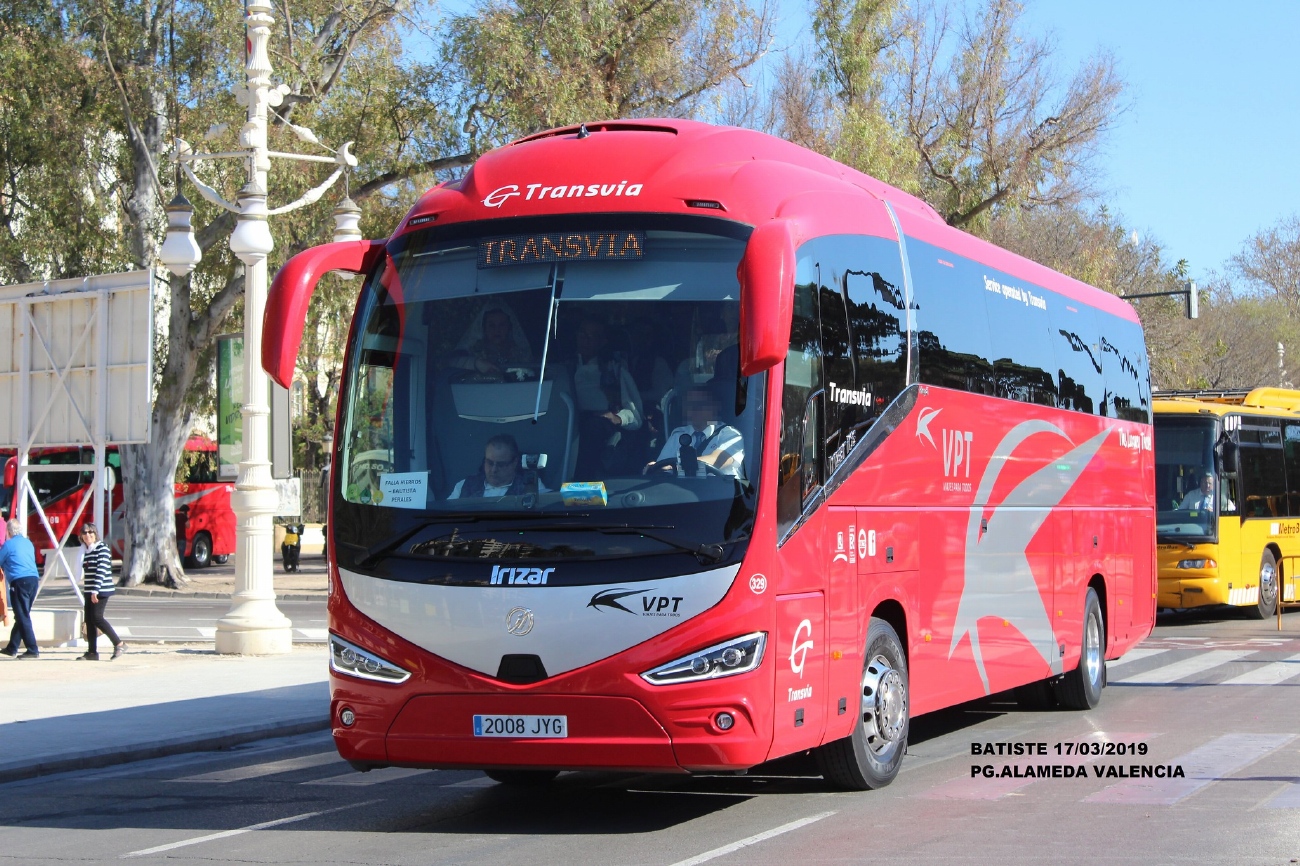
{"type": "Point", "coordinates": [1192, 300]}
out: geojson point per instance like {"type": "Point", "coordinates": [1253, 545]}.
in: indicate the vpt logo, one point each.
{"type": "Point", "coordinates": [651, 605]}
{"type": "Point", "coordinates": [501, 195]}
{"type": "Point", "coordinates": [956, 453]}
{"type": "Point", "coordinates": [799, 648]}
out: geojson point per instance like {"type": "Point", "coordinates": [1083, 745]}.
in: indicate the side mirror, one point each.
{"type": "Point", "coordinates": [11, 472]}
{"type": "Point", "coordinates": [291, 291]}
{"type": "Point", "coordinates": [766, 296]}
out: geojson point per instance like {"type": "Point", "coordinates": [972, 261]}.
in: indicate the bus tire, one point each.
{"type": "Point", "coordinates": [871, 756]}
{"type": "Point", "coordinates": [221, 558]}
{"type": "Point", "coordinates": [522, 778]}
{"type": "Point", "coordinates": [1080, 689]}
{"type": "Point", "coordinates": [201, 553]}
{"type": "Point", "coordinates": [1268, 583]}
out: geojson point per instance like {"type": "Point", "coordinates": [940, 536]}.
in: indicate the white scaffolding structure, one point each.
{"type": "Point", "coordinates": [76, 369]}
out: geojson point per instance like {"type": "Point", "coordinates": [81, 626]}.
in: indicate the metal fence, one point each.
{"type": "Point", "coordinates": [313, 495]}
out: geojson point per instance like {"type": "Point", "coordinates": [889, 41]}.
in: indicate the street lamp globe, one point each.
{"type": "Point", "coordinates": [180, 251]}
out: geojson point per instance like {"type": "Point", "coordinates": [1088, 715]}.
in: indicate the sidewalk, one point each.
{"type": "Point", "coordinates": [218, 581]}
{"type": "Point", "coordinates": [59, 714]}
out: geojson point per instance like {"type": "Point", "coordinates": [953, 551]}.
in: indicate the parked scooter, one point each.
{"type": "Point", "coordinates": [291, 547]}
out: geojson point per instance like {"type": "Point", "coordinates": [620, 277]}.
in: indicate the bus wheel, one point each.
{"type": "Point", "coordinates": [522, 778]}
{"type": "Point", "coordinates": [1080, 689]}
{"type": "Point", "coordinates": [1268, 583]}
{"type": "Point", "coordinates": [221, 558]}
{"type": "Point", "coordinates": [201, 555]}
{"type": "Point", "coordinates": [870, 756]}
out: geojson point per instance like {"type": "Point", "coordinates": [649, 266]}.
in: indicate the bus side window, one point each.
{"type": "Point", "coordinates": [1291, 450]}
{"type": "Point", "coordinates": [801, 422]}
{"type": "Point", "coordinates": [1263, 480]}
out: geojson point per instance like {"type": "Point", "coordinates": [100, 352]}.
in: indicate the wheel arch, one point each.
{"type": "Point", "coordinates": [1098, 583]}
{"type": "Point", "coordinates": [892, 612]}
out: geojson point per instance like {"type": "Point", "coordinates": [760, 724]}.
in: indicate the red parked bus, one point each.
{"type": "Point", "coordinates": [205, 523]}
{"type": "Point", "coordinates": [924, 472]}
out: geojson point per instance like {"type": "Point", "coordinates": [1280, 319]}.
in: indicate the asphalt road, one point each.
{"type": "Point", "coordinates": [1216, 698]}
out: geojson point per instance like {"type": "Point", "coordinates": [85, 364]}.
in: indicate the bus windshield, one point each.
{"type": "Point", "coordinates": [1189, 491]}
{"type": "Point", "coordinates": [547, 375]}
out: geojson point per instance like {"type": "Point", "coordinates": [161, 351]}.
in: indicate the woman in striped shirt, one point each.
{"type": "Point", "coordinates": [97, 585]}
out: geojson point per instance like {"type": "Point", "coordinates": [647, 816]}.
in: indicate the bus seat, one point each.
{"type": "Point", "coordinates": [463, 421]}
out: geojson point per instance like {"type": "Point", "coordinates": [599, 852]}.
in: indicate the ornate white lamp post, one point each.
{"type": "Point", "coordinates": [253, 625]}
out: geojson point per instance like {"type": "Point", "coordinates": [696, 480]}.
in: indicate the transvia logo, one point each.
{"type": "Point", "coordinates": [539, 191]}
{"type": "Point", "coordinates": [519, 576]}
{"type": "Point", "coordinates": [501, 195]}
{"type": "Point", "coordinates": [800, 649]}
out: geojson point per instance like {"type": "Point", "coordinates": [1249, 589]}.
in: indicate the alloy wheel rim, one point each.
{"type": "Point", "coordinates": [884, 705]}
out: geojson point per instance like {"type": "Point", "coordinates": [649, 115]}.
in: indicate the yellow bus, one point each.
{"type": "Point", "coordinates": [1228, 498]}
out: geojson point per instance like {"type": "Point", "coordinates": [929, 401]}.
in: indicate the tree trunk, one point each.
{"type": "Point", "coordinates": [148, 473]}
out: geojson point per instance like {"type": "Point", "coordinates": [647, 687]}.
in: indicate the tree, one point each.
{"type": "Point", "coordinates": [1269, 263]}
{"type": "Point", "coordinates": [170, 68]}
{"type": "Point", "coordinates": [968, 114]}
{"type": "Point", "coordinates": [519, 66]}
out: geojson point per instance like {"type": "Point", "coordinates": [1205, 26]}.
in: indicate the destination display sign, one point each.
{"type": "Point", "coordinates": [530, 249]}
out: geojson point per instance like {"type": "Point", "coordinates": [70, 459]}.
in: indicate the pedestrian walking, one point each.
{"type": "Point", "coordinates": [97, 586]}
{"type": "Point", "coordinates": [19, 576]}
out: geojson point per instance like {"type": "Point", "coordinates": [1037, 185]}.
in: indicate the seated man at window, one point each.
{"type": "Point", "coordinates": [711, 443]}
{"type": "Point", "coordinates": [1201, 498]}
{"type": "Point", "coordinates": [500, 475]}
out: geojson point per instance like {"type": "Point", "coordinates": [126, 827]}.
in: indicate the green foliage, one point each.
{"type": "Point", "coordinates": [524, 65]}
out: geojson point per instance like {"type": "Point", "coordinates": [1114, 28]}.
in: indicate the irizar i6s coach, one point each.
{"type": "Point", "coordinates": [678, 448]}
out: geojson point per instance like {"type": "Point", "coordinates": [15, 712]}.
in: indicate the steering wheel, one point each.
{"type": "Point", "coordinates": [670, 465]}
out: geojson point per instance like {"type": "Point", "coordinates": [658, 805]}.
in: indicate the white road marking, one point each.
{"type": "Point", "coordinates": [225, 834]}
{"type": "Point", "coordinates": [1269, 674]}
{"type": "Point", "coordinates": [752, 840]}
{"type": "Point", "coordinates": [1287, 798]}
{"type": "Point", "coordinates": [1135, 655]}
{"type": "Point", "coordinates": [1180, 670]}
{"type": "Point", "coordinates": [257, 771]}
{"type": "Point", "coordinates": [1211, 762]}
{"type": "Point", "coordinates": [374, 777]}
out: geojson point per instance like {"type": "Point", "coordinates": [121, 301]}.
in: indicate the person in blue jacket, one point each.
{"type": "Point", "coordinates": [19, 576]}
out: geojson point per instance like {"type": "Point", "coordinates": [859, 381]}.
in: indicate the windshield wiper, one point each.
{"type": "Point", "coordinates": [711, 552]}
{"type": "Point", "coordinates": [378, 551]}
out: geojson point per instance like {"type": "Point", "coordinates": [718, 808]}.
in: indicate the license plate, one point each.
{"type": "Point", "coordinates": [521, 726]}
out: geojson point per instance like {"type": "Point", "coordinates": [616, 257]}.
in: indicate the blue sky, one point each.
{"type": "Point", "coordinates": [1206, 154]}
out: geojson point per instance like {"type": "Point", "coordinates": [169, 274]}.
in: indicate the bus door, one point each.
{"type": "Point", "coordinates": [800, 645]}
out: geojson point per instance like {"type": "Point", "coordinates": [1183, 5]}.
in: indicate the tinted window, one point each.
{"type": "Point", "coordinates": [1024, 365]}
{"type": "Point", "coordinates": [1078, 356]}
{"type": "Point", "coordinates": [1291, 452]}
{"type": "Point", "coordinates": [951, 321]}
{"type": "Point", "coordinates": [1263, 472]}
{"type": "Point", "coordinates": [1125, 372]}
{"type": "Point", "coordinates": [800, 466]}
{"type": "Point", "coordinates": [863, 329]}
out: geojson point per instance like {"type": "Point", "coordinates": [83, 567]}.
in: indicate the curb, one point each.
{"type": "Point", "coordinates": [180, 593]}
{"type": "Point", "coordinates": [107, 757]}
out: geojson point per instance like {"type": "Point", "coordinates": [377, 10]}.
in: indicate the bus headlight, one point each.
{"type": "Point", "coordinates": [737, 656]}
{"type": "Point", "coordinates": [350, 659]}
{"type": "Point", "coordinates": [1197, 563]}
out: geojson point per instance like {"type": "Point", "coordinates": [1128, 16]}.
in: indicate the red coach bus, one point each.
{"type": "Point", "coordinates": [923, 470]}
{"type": "Point", "coordinates": [205, 523]}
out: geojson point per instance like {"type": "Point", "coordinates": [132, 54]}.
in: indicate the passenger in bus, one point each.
{"type": "Point", "coordinates": [1201, 497]}
{"type": "Point", "coordinates": [500, 474]}
{"type": "Point", "coordinates": [702, 441]}
{"type": "Point", "coordinates": [608, 403]}
{"type": "Point", "coordinates": [494, 344]}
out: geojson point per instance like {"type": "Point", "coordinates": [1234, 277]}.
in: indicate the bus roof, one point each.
{"type": "Point", "coordinates": [1253, 401]}
{"type": "Point", "coordinates": [688, 167]}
